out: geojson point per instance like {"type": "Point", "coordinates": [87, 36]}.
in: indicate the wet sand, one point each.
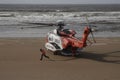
{"type": "Point", "coordinates": [19, 60]}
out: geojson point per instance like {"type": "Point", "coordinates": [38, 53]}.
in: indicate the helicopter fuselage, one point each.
{"type": "Point", "coordinates": [67, 45]}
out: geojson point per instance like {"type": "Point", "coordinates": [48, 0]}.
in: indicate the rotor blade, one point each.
{"type": "Point", "coordinates": [34, 23]}
{"type": "Point", "coordinates": [87, 21]}
{"type": "Point", "coordinates": [93, 37]}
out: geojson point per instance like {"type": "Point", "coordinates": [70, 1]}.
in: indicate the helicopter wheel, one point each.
{"type": "Point", "coordinates": [57, 52]}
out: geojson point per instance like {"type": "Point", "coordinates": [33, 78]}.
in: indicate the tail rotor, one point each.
{"type": "Point", "coordinates": [91, 31]}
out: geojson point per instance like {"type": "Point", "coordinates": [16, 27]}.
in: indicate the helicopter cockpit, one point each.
{"type": "Point", "coordinates": [64, 32]}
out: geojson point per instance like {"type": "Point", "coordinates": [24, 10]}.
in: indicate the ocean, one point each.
{"type": "Point", "coordinates": [16, 19]}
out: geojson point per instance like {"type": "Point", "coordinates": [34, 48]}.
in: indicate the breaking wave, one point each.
{"type": "Point", "coordinates": [94, 17]}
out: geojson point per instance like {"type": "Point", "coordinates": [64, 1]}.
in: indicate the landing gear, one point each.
{"type": "Point", "coordinates": [57, 53]}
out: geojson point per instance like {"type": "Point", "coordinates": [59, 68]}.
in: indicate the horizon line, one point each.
{"type": "Point", "coordinates": [63, 4]}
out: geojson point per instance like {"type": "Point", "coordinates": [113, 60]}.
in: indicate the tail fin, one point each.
{"type": "Point", "coordinates": [85, 35]}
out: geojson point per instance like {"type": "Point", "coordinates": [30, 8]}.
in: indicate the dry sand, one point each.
{"type": "Point", "coordinates": [19, 60]}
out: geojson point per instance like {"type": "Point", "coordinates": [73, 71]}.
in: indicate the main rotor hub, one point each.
{"type": "Point", "coordinates": [60, 23]}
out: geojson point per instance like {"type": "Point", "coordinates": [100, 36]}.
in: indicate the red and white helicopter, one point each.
{"type": "Point", "coordinates": [63, 41]}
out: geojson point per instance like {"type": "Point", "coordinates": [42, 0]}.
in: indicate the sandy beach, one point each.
{"type": "Point", "coordinates": [19, 60]}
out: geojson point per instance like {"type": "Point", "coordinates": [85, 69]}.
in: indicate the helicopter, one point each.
{"type": "Point", "coordinates": [63, 41]}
